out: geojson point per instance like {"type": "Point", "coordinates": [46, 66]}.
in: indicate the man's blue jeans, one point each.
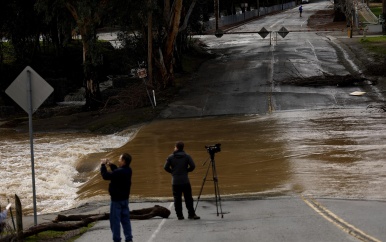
{"type": "Point", "coordinates": [120, 214]}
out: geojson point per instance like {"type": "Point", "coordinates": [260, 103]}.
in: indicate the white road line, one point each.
{"type": "Point", "coordinates": [346, 56]}
{"type": "Point", "coordinates": [339, 222]}
{"type": "Point", "coordinates": [276, 23]}
{"type": "Point", "coordinates": [313, 49]}
{"type": "Point", "coordinates": [159, 226]}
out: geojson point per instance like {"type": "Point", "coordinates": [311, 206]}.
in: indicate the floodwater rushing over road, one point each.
{"type": "Point", "coordinates": [325, 153]}
{"type": "Point", "coordinates": [55, 158]}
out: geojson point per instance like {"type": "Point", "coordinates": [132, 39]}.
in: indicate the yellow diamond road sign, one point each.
{"type": "Point", "coordinates": [20, 90]}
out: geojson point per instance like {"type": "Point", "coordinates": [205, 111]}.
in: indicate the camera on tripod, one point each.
{"type": "Point", "coordinates": [213, 148]}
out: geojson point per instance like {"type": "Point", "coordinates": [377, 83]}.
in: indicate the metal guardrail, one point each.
{"type": "Point", "coordinates": [233, 19]}
{"type": "Point", "coordinates": [367, 14]}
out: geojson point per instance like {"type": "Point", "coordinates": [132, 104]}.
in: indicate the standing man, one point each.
{"type": "Point", "coordinates": [179, 164]}
{"type": "Point", "coordinates": [119, 189]}
{"type": "Point", "coordinates": [3, 216]}
{"type": "Point", "coordinates": [300, 10]}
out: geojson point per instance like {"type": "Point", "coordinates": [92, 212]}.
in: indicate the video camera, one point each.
{"type": "Point", "coordinates": [213, 148]}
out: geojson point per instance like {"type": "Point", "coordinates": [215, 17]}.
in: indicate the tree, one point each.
{"type": "Point", "coordinates": [384, 16]}
{"type": "Point", "coordinates": [165, 61]}
{"type": "Point", "coordinates": [170, 20]}
{"type": "Point", "coordinates": [60, 23]}
{"type": "Point", "coordinates": [339, 8]}
{"type": "Point", "coordinates": [175, 18]}
{"type": "Point", "coordinates": [4, 11]}
{"type": "Point", "coordinates": [88, 15]}
{"type": "Point", "coordinates": [21, 25]}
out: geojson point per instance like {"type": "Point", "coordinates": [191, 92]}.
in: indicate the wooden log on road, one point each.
{"type": "Point", "coordinates": [140, 214]}
{"type": "Point", "coordinates": [72, 222]}
{"type": "Point", "coordinates": [62, 226]}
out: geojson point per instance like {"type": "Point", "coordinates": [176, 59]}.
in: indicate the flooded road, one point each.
{"type": "Point", "coordinates": [326, 153]}
{"type": "Point", "coordinates": [335, 153]}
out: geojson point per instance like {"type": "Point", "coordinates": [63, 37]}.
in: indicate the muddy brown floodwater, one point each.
{"type": "Point", "coordinates": [330, 153]}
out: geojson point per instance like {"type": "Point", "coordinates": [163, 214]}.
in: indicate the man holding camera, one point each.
{"type": "Point", "coordinates": [119, 189]}
{"type": "Point", "coordinates": [3, 216]}
{"type": "Point", "coordinates": [179, 164]}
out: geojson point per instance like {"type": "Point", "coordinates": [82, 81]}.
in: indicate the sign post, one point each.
{"type": "Point", "coordinates": [282, 32]}
{"type": "Point", "coordinates": [31, 140]}
{"type": "Point", "coordinates": [30, 90]}
{"type": "Point", "coordinates": [143, 74]}
{"type": "Point", "coordinates": [263, 33]}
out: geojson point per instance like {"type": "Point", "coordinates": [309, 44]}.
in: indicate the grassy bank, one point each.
{"type": "Point", "coordinates": [376, 44]}
{"type": "Point", "coordinates": [376, 8]}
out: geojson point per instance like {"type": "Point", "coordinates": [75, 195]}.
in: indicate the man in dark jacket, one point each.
{"type": "Point", "coordinates": [179, 164]}
{"type": "Point", "coordinates": [119, 189]}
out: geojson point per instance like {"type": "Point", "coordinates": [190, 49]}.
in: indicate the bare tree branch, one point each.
{"type": "Point", "coordinates": [185, 24]}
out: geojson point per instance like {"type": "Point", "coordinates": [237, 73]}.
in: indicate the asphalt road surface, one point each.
{"type": "Point", "coordinates": [247, 76]}
{"type": "Point", "coordinates": [270, 219]}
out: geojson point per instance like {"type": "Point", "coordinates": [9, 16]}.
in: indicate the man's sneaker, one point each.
{"type": "Point", "coordinates": [194, 217]}
{"type": "Point", "coordinates": [181, 218]}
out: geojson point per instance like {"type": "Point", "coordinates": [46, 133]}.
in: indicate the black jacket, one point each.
{"type": "Point", "coordinates": [120, 184]}
{"type": "Point", "coordinates": [179, 164]}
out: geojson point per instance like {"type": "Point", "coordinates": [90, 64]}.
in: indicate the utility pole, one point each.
{"type": "Point", "coordinates": [218, 33]}
{"type": "Point", "coordinates": [216, 12]}
{"type": "Point", "coordinates": [150, 42]}
{"type": "Point", "coordinates": [351, 22]}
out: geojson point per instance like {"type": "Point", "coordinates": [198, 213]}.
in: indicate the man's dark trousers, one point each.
{"type": "Point", "coordinates": [186, 189]}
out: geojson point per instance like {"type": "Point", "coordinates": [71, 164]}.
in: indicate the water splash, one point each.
{"type": "Point", "coordinates": [55, 157]}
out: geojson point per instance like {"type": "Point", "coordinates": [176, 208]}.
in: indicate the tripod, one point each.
{"type": "Point", "coordinates": [215, 181]}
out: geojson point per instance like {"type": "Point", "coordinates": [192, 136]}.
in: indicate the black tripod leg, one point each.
{"type": "Point", "coordinates": [202, 186]}
{"type": "Point", "coordinates": [215, 184]}
{"type": "Point", "coordinates": [219, 201]}
{"type": "Point", "coordinates": [217, 190]}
